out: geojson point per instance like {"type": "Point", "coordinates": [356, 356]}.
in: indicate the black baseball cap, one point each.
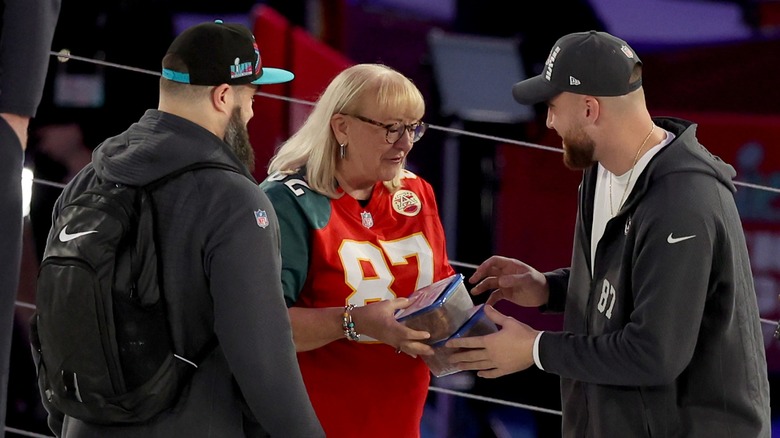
{"type": "Point", "coordinates": [219, 53]}
{"type": "Point", "coordinates": [592, 63]}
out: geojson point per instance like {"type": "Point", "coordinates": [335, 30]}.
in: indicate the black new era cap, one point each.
{"type": "Point", "coordinates": [592, 63]}
{"type": "Point", "coordinates": [218, 53]}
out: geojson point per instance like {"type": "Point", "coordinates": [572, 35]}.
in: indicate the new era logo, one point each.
{"type": "Point", "coordinates": [574, 81]}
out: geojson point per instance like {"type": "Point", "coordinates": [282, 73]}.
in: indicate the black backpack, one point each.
{"type": "Point", "coordinates": [100, 333]}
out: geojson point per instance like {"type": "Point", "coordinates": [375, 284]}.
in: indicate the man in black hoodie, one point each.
{"type": "Point", "coordinates": [662, 335]}
{"type": "Point", "coordinates": [221, 265]}
{"type": "Point", "coordinates": [26, 32]}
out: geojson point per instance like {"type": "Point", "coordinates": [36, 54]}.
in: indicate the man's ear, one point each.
{"type": "Point", "coordinates": [221, 98]}
{"type": "Point", "coordinates": [592, 108]}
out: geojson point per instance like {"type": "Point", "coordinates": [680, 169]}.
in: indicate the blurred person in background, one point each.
{"type": "Point", "coordinates": [26, 34]}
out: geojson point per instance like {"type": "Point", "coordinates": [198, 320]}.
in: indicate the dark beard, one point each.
{"type": "Point", "coordinates": [578, 150]}
{"type": "Point", "coordinates": [237, 137]}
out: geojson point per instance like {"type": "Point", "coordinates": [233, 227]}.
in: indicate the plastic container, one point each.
{"type": "Point", "coordinates": [439, 308]}
{"type": "Point", "coordinates": [478, 324]}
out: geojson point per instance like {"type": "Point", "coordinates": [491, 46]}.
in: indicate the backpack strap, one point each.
{"type": "Point", "coordinates": [212, 343]}
{"type": "Point", "coordinates": [150, 187]}
{"type": "Point", "coordinates": [205, 351]}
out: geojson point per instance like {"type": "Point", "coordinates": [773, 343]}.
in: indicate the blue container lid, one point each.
{"type": "Point", "coordinates": [477, 315]}
{"type": "Point", "coordinates": [430, 297]}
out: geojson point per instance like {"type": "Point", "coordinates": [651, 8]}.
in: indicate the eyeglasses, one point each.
{"type": "Point", "coordinates": [396, 130]}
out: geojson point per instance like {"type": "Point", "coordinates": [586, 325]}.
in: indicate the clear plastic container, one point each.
{"type": "Point", "coordinates": [439, 308]}
{"type": "Point", "coordinates": [478, 324]}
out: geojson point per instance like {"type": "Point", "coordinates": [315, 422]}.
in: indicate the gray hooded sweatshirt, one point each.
{"type": "Point", "coordinates": [662, 335]}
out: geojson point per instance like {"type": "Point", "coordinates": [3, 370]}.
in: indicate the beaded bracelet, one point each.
{"type": "Point", "coordinates": [348, 325]}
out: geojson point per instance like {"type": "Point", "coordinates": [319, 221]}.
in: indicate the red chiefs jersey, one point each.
{"type": "Point", "coordinates": [336, 252]}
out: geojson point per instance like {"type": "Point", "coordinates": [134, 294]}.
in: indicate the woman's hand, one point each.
{"type": "Point", "coordinates": [377, 320]}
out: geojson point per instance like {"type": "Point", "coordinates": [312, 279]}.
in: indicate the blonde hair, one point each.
{"type": "Point", "coordinates": [315, 147]}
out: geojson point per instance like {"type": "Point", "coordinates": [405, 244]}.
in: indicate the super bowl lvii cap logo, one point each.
{"type": "Point", "coordinates": [240, 69]}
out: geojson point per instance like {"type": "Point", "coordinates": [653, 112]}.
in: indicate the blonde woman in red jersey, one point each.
{"type": "Point", "coordinates": [359, 234]}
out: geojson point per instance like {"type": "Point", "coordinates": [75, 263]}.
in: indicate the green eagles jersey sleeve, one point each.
{"type": "Point", "coordinates": [300, 210]}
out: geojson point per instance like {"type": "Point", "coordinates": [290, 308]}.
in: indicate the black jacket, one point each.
{"type": "Point", "coordinates": [221, 274]}
{"type": "Point", "coordinates": [27, 28]}
{"type": "Point", "coordinates": [664, 338]}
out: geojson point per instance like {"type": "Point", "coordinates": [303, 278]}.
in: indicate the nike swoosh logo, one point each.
{"type": "Point", "coordinates": [672, 239]}
{"type": "Point", "coordinates": [66, 237]}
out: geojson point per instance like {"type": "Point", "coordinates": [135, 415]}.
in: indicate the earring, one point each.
{"type": "Point", "coordinates": [343, 150]}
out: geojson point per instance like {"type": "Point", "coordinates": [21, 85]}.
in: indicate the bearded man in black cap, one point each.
{"type": "Point", "coordinates": [661, 335]}
{"type": "Point", "coordinates": [221, 265]}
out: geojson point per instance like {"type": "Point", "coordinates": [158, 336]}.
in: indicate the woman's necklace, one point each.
{"type": "Point", "coordinates": [630, 173]}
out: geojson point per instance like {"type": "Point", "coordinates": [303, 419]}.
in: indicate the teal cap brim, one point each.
{"type": "Point", "coordinates": [273, 76]}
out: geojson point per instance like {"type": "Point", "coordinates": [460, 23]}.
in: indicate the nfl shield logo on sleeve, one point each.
{"type": "Point", "coordinates": [262, 218]}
